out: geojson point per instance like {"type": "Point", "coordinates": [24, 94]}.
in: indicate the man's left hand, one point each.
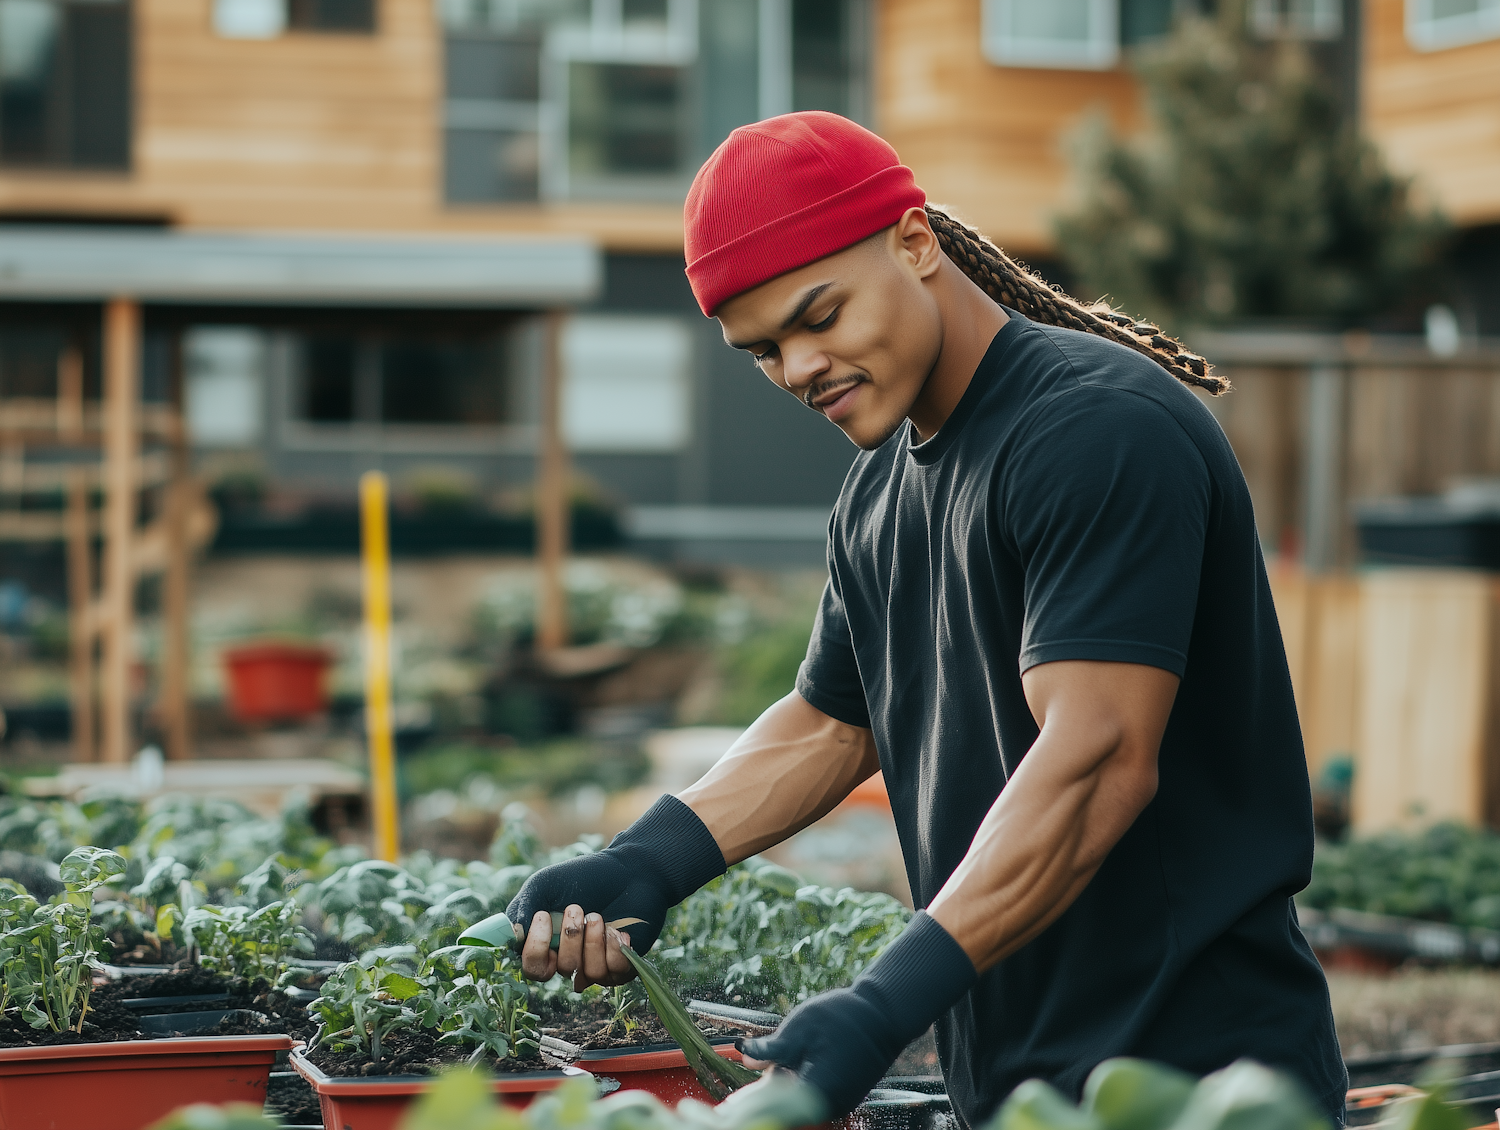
{"type": "Point", "coordinates": [843, 1041]}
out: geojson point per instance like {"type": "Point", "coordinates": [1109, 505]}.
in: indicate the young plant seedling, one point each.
{"type": "Point", "coordinates": [51, 951]}
{"type": "Point", "coordinates": [718, 1075]}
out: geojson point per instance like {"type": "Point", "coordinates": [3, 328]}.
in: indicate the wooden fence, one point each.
{"type": "Point", "coordinates": [1398, 668]}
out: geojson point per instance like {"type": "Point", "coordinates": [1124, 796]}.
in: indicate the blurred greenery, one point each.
{"type": "Point", "coordinates": [1449, 873]}
{"type": "Point", "coordinates": [551, 768]}
{"type": "Point", "coordinates": [762, 667]}
{"type": "Point", "coordinates": [1251, 194]}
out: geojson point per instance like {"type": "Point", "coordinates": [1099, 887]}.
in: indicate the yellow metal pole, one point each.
{"type": "Point", "coordinates": [376, 555]}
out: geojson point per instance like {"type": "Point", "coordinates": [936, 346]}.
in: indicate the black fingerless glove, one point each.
{"type": "Point", "coordinates": [843, 1041]}
{"type": "Point", "coordinates": [647, 869]}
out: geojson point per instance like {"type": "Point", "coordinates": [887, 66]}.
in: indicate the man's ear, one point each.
{"type": "Point", "coordinates": [916, 238]}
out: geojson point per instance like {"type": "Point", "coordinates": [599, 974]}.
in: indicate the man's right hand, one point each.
{"type": "Point", "coordinates": [589, 951]}
{"type": "Point", "coordinates": [626, 888]}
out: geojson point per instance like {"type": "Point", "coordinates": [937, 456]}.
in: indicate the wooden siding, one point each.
{"type": "Point", "coordinates": [1435, 113]}
{"type": "Point", "coordinates": [984, 139]}
{"type": "Point", "coordinates": [305, 132]}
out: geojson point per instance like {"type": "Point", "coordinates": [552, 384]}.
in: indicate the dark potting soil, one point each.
{"type": "Point", "coordinates": [415, 1051]}
{"type": "Point", "coordinates": [291, 1100]}
{"type": "Point", "coordinates": [587, 1024]}
{"type": "Point", "coordinates": [108, 1020]}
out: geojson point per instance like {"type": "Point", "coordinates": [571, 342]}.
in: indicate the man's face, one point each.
{"type": "Point", "coordinates": [853, 336]}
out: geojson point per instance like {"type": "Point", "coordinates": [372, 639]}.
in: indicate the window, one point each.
{"type": "Point", "coordinates": [224, 371]}
{"type": "Point", "coordinates": [577, 98]}
{"type": "Point", "coordinates": [403, 379]}
{"type": "Point", "coordinates": [1296, 19]}
{"type": "Point", "coordinates": [1074, 34]}
{"type": "Point", "coordinates": [267, 19]}
{"type": "Point", "coordinates": [626, 383]}
{"type": "Point", "coordinates": [65, 97]}
{"type": "Point", "coordinates": [1432, 25]}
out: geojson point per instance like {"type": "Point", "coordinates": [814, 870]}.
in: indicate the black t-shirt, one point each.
{"type": "Point", "coordinates": [1080, 503]}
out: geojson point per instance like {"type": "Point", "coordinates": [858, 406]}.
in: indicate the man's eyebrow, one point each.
{"type": "Point", "coordinates": [807, 300]}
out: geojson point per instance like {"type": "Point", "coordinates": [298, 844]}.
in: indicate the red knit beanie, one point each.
{"type": "Point", "coordinates": [785, 192]}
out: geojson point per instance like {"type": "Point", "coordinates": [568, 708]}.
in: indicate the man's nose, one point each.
{"type": "Point", "coordinates": [801, 368]}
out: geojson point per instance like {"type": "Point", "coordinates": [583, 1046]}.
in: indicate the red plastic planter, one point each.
{"type": "Point", "coordinates": [131, 1084]}
{"type": "Point", "coordinates": [271, 682]}
{"type": "Point", "coordinates": [665, 1074]}
{"type": "Point", "coordinates": [379, 1103]}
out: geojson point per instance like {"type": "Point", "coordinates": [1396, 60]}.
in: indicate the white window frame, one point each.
{"type": "Point", "coordinates": [1271, 19]}
{"type": "Point", "coordinates": [1426, 32]}
{"type": "Point", "coordinates": [1100, 53]}
{"type": "Point", "coordinates": [606, 38]}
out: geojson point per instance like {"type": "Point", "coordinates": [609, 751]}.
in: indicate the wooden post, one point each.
{"type": "Point", "coordinates": [175, 703]}
{"type": "Point", "coordinates": [122, 351]}
{"type": "Point", "coordinates": [80, 616]}
{"type": "Point", "coordinates": [79, 558]}
{"type": "Point", "coordinates": [1322, 538]}
{"type": "Point", "coordinates": [176, 645]}
{"type": "Point", "coordinates": [375, 549]}
{"type": "Point", "coordinates": [552, 497]}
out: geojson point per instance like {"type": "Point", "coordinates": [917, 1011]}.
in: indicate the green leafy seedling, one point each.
{"type": "Point", "coordinates": [1248, 1096]}
{"type": "Point", "coordinates": [1036, 1105]}
{"type": "Point", "coordinates": [718, 1075]}
{"type": "Point", "coordinates": [1132, 1094]}
{"type": "Point", "coordinates": [497, 931]}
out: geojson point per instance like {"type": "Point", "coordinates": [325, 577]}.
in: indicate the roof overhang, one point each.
{"type": "Point", "coordinates": [314, 270]}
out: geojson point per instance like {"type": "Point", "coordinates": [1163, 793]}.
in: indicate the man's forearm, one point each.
{"type": "Point", "coordinates": [793, 766]}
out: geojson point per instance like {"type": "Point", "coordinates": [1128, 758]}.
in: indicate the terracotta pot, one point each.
{"type": "Point", "coordinates": [273, 682]}
{"type": "Point", "coordinates": [131, 1084]}
{"type": "Point", "coordinates": [379, 1103]}
{"type": "Point", "coordinates": [660, 1071]}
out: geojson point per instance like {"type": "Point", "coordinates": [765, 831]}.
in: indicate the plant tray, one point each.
{"type": "Point", "coordinates": [380, 1103]}
{"type": "Point", "coordinates": [658, 1069]}
{"type": "Point", "coordinates": [131, 1084]}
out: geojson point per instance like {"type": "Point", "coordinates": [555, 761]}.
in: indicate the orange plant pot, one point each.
{"type": "Point", "coordinates": [274, 682]}
{"type": "Point", "coordinates": [380, 1103]}
{"type": "Point", "coordinates": [131, 1084]}
{"type": "Point", "coordinates": [663, 1073]}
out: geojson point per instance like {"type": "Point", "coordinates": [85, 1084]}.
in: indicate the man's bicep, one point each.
{"type": "Point", "coordinates": [1131, 701]}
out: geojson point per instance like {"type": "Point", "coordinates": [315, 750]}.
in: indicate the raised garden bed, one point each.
{"type": "Point", "coordinates": [130, 1084]}
{"type": "Point", "coordinates": [378, 1102]}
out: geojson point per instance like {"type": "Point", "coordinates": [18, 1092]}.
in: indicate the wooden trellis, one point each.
{"type": "Point", "coordinates": [100, 451]}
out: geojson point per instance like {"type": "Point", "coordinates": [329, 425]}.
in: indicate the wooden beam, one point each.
{"type": "Point", "coordinates": [122, 350]}
{"type": "Point", "coordinates": [552, 497]}
{"type": "Point", "coordinates": [80, 626]}
{"type": "Point", "coordinates": [174, 706]}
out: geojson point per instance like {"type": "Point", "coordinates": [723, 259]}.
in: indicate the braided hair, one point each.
{"type": "Point", "coordinates": [1011, 284]}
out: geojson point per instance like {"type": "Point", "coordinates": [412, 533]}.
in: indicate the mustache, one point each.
{"type": "Point", "coordinates": [817, 390]}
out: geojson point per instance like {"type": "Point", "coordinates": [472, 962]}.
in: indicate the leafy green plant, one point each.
{"type": "Point", "coordinates": [362, 1004]}
{"type": "Point", "coordinates": [624, 1002]}
{"type": "Point", "coordinates": [1448, 873]}
{"type": "Point", "coordinates": [463, 1100]}
{"type": "Point", "coordinates": [470, 995]}
{"type": "Point", "coordinates": [248, 942]}
{"type": "Point", "coordinates": [482, 1002]}
{"type": "Point", "coordinates": [203, 1116]}
{"type": "Point", "coordinates": [53, 950]}
{"type": "Point", "coordinates": [761, 933]}
{"type": "Point", "coordinates": [371, 903]}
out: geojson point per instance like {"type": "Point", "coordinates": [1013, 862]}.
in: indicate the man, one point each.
{"type": "Point", "coordinates": [1047, 621]}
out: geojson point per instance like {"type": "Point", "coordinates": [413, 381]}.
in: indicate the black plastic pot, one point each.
{"type": "Point", "coordinates": [191, 1023]}
{"type": "Point", "coordinates": [1430, 532]}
